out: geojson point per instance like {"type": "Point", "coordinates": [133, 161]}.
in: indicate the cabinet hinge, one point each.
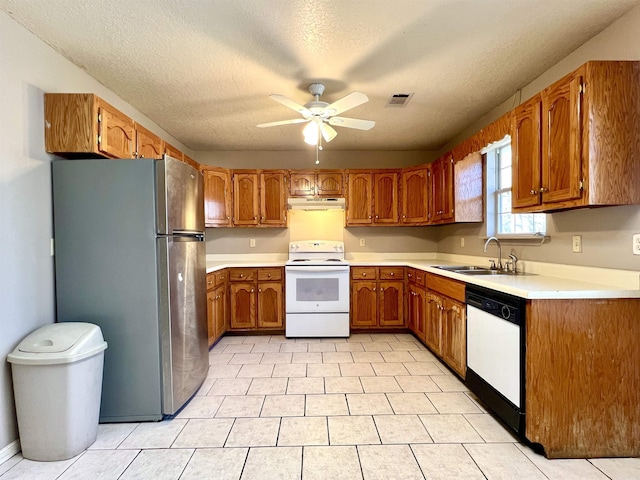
{"type": "Point", "coordinates": [99, 139]}
{"type": "Point", "coordinates": [581, 184]}
{"type": "Point", "coordinates": [581, 88]}
{"type": "Point", "coordinates": [99, 118]}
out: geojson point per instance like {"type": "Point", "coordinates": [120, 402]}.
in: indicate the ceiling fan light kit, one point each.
{"type": "Point", "coordinates": [321, 115]}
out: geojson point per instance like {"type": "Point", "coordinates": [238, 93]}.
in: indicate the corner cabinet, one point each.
{"type": "Point", "coordinates": [217, 318]}
{"type": "Point", "coordinates": [441, 187]}
{"type": "Point", "coordinates": [79, 125]}
{"type": "Point", "coordinates": [576, 143]}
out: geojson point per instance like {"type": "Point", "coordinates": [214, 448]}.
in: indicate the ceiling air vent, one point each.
{"type": "Point", "coordinates": [399, 100]}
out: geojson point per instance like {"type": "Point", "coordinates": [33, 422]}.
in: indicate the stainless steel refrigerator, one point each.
{"type": "Point", "coordinates": [130, 258]}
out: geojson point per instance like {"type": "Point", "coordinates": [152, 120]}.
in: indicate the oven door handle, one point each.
{"type": "Point", "coordinates": [317, 269]}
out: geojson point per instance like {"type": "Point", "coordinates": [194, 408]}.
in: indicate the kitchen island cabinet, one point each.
{"type": "Point", "coordinates": [582, 380]}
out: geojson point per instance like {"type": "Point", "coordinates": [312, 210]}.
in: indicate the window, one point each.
{"type": "Point", "coordinates": [500, 220]}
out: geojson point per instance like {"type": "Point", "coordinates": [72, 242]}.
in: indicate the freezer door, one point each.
{"type": "Point", "coordinates": [183, 319]}
{"type": "Point", "coordinates": [180, 197]}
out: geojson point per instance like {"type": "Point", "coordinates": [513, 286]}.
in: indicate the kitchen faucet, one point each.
{"type": "Point", "coordinates": [486, 244]}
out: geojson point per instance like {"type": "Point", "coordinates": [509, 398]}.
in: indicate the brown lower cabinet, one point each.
{"type": "Point", "coordinates": [217, 318]}
{"type": "Point", "coordinates": [445, 320]}
{"type": "Point", "coordinates": [377, 297]}
{"type": "Point", "coordinates": [256, 298]}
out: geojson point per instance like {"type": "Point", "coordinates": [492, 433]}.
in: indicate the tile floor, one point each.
{"type": "Point", "coordinates": [370, 407]}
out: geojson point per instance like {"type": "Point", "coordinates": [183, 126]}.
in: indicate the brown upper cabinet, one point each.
{"type": "Point", "coordinates": [442, 189]}
{"type": "Point", "coordinates": [217, 196]}
{"type": "Point", "coordinates": [415, 196]}
{"type": "Point", "coordinates": [173, 151]}
{"type": "Point", "coordinates": [372, 197]}
{"type": "Point", "coordinates": [316, 183]}
{"type": "Point", "coordinates": [586, 151]}
{"type": "Point", "coordinates": [148, 144]}
{"type": "Point", "coordinates": [359, 198]}
{"type": "Point", "coordinates": [259, 198]}
{"type": "Point", "coordinates": [385, 197]}
{"type": "Point", "coordinates": [81, 125]}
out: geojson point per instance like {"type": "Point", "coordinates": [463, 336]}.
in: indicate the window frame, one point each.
{"type": "Point", "coordinates": [492, 211]}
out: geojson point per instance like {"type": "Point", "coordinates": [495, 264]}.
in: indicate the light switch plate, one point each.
{"type": "Point", "coordinates": [363, 242]}
{"type": "Point", "coordinates": [576, 245]}
{"type": "Point", "coordinates": [252, 242]}
{"type": "Point", "coordinates": [636, 244]}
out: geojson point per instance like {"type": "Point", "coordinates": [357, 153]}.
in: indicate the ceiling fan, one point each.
{"type": "Point", "coordinates": [322, 115]}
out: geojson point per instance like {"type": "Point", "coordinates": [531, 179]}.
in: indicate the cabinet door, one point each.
{"type": "Point", "coordinates": [302, 184]}
{"type": "Point", "coordinates": [391, 310]}
{"type": "Point", "coordinates": [116, 133]}
{"type": "Point", "coordinates": [220, 309]}
{"type": "Point", "coordinates": [436, 207]}
{"type": "Point", "coordinates": [433, 322]}
{"type": "Point", "coordinates": [448, 189]}
{"type": "Point", "coordinates": [417, 307]}
{"type": "Point", "coordinates": [245, 199]}
{"type": "Point", "coordinates": [359, 199]}
{"type": "Point", "coordinates": [561, 141]}
{"type": "Point", "coordinates": [211, 316]}
{"type": "Point", "coordinates": [454, 336]}
{"type": "Point", "coordinates": [525, 146]}
{"type": "Point", "coordinates": [329, 184]}
{"type": "Point", "coordinates": [273, 199]}
{"type": "Point", "coordinates": [385, 195]}
{"type": "Point", "coordinates": [217, 197]}
{"type": "Point", "coordinates": [414, 197]}
{"type": "Point", "coordinates": [243, 305]}
{"type": "Point", "coordinates": [148, 144]}
{"type": "Point", "coordinates": [270, 306]}
{"type": "Point", "coordinates": [364, 301]}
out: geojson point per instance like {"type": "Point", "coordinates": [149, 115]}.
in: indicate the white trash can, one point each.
{"type": "Point", "coordinates": [57, 383]}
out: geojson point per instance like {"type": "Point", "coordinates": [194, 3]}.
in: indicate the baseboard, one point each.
{"type": "Point", "coordinates": [9, 451]}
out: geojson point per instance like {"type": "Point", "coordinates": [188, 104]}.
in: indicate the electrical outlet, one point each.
{"type": "Point", "coordinates": [636, 244]}
{"type": "Point", "coordinates": [576, 246]}
{"type": "Point", "coordinates": [462, 241]}
{"type": "Point", "coordinates": [363, 242]}
{"type": "Point", "coordinates": [252, 242]}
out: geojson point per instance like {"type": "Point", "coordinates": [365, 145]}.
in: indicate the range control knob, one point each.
{"type": "Point", "coordinates": [506, 312]}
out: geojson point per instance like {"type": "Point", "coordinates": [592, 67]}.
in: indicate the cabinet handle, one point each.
{"type": "Point", "coordinates": [533, 192]}
{"type": "Point", "coordinates": [374, 289]}
{"type": "Point", "coordinates": [542, 189]}
{"type": "Point", "coordinates": [419, 279]}
{"type": "Point", "coordinates": [391, 274]}
{"type": "Point", "coordinates": [255, 218]}
{"type": "Point", "coordinates": [262, 219]}
{"type": "Point", "coordinates": [242, 275]}
{"type": "Point", "coordinates": [364, 274]}
{"type": "Point", "coordinates": [259, 290]}
{"type": "Point", "coordinates": [252, 290]}
{"type": "Point", "coordinates": [377, 217]}
{"type": "Point", "coordinates": [268, 275]}
{"type": "Point", "coordinates": [404, 216]}
{"type": "Point", "coordinates": [381, 289]}
{"type": "Point", "coordinates": [369, 216]}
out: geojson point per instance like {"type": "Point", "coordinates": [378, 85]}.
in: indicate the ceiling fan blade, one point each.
{"type": "Point", "coordinates": [287, 102]}
{"type": "Point", "coordinates": [347, 102]}
{"type": "Point", "coordinates": [328, 133]}
{"type": "Point", "coordinates": [283, 122]}
{"type": "Point", "coordinates": [351, 123]}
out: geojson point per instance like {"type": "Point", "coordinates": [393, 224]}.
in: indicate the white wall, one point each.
{"type": "Point", "coordinates": [28, 68]}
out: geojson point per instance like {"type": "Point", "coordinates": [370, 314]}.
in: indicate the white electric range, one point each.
{"type": "Point", "coordinates": [317, 290]}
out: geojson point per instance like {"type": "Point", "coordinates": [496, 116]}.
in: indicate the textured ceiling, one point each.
{"type": "Point", "coordinates": [203, 69]}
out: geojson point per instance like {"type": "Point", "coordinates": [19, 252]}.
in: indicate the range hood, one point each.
{"type": "Point", "coordinates": [316, 203]}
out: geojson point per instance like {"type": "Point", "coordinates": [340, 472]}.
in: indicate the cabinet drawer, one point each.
{"type": "Point", "coordinates": [267, 274]}
{"type": "Point", "coordinates": [421, 278]}
{"type": "Point", "coordinates": [364, 273]}
{"type": "Point", "coordinates": [451, 288]}
{"type": "Point", "coordinates": [220, 277]}
{"type": "Point", "coordinates": [242, 274]}
{"type": "Point", "coordinates": [391, 273]}
{"type": "Point", "coordinates": [211, 280]}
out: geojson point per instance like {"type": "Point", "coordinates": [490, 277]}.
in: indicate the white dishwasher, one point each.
{"type": "Point", "coordinates": [496, 353]}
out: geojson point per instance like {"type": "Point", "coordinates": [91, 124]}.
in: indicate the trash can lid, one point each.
{"type": "Point", "coordinates": [59, 343]}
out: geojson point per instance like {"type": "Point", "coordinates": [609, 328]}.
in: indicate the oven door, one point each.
{"type": "Point", "coordinates": [317, 289]}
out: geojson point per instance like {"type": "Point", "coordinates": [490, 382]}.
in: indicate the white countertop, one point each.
{"type": "Point", "coordinates": [543, 280]}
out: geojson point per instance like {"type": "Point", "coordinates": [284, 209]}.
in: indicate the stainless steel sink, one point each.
{"type": "Point", "coordinates": [475, 270]}
{"type": "Point", "coordinates": [456, 268]}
